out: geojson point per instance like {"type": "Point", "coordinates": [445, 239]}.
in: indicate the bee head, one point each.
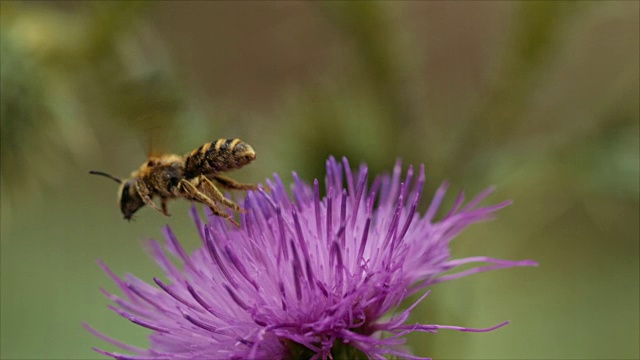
{"type": "Point", "coordinates": [243, 153]}
{"type": "Point", "coordinates": [130, 201]}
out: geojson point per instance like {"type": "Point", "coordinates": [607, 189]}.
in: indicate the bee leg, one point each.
{"type": "Point", "coordinates": [192, 193]}
{"type": "Point", "coordinates": [232, 184]}
{"type": "Point", "coordinates": [144, 193]}
{"type": "Point", "coordinates": [165, 207]}
{"type": "Point", "coordinates": [215, 194]}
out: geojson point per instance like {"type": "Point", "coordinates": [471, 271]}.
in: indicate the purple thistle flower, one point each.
{"type": "Point", "coordinates": [310, 277]}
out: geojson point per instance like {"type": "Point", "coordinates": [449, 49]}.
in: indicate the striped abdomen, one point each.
{"type": "Point", "coordinates": [218, 156]}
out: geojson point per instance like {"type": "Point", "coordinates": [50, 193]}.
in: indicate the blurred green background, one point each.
{"type": "Point", "coordinates": [538, 98]}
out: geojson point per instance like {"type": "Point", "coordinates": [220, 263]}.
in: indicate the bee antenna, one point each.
{"type": "Point", "coordinates": [92, 172]}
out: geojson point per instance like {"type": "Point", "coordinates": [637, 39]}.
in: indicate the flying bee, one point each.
{"type": "Point", "coordinates": [190, 177]}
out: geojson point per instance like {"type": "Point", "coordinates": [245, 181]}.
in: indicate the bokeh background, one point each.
{"type": "Point", "coordinates": [538, 98]}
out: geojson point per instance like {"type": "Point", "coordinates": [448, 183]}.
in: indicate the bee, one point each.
{"type": "Point", "coordinates": [191, 177]}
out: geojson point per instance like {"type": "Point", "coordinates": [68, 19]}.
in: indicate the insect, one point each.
{"type": "Point", "coordinates": [191, 177]}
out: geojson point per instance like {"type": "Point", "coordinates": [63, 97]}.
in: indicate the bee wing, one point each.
{"type": "Point", "coordinates": [156, 141]}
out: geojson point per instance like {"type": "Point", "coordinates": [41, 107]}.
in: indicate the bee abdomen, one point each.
{"type": "Point", "coordinates": [218, 156]}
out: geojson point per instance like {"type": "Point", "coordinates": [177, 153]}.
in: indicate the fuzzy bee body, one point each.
{"type": "Point", "coordinates": [162, 174]}
{"type": "Point", "coordinates": [172, 176]}
{"type": "Point", "coordinates": [218, 156]}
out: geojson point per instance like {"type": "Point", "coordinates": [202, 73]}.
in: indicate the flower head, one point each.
{"type": "Point", "coordinates": [308, 277]}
